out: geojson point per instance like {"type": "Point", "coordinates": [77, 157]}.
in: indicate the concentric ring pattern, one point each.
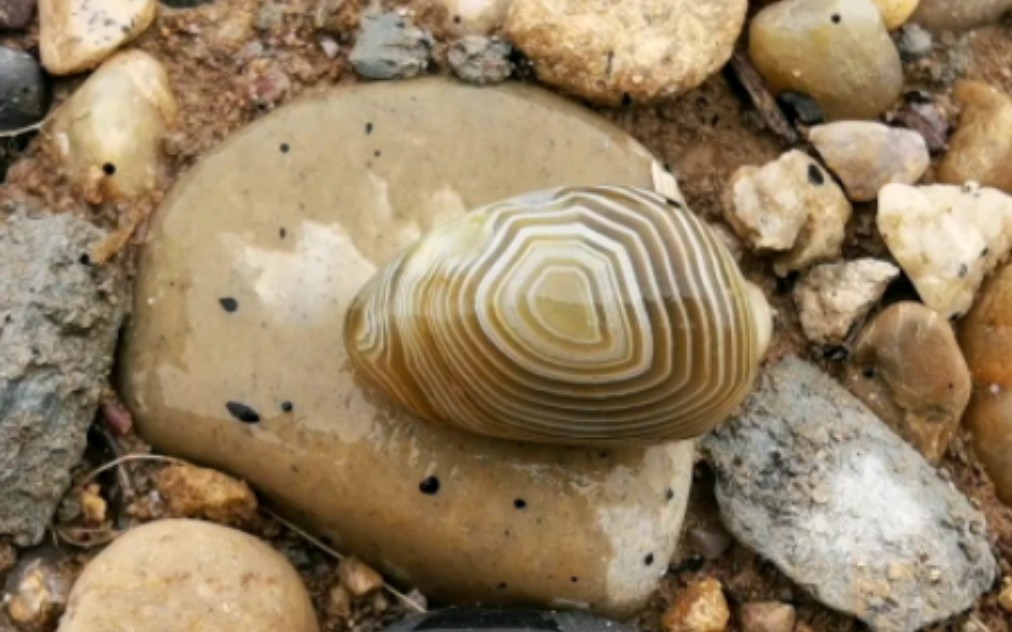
{"type": "Point", "coordinates": [589, 315]}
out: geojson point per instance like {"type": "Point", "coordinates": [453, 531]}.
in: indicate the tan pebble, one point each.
{"type": "Point", "coordinates": [109, 134]}
{"type": "Point", "coordinates": [474, 17]}
{"type": "Point", "coordinates": [93, 506]}
{"type": "Point", "coordinates": [767, 616]}
{"type": "Point", "coordinates": [833, 296]}
{"type": "Point", "coordinates": [700, 607]}
{"type": "Point", "coordinates": [77, 35]}
{"type": "Point", "coordinates": [866, 156]}
{"type": "Point", "coordinates": [358, 577]}
{"type": "Point", "coordinates": [339, 602]}
{"type": "Point", "coordinates": [908, 369]}
{"type": "Point", "coordinates": [38, 589]}
{"type": "Point", "coordinates": [1005, 597]}
{"type": "Point", "coordinates": [896, 12]}
{"type": "Point", "coordinates": [837, 51]}
{"type": "Point", "coordinates": [958, 15]}
{"type": "Point", "coordinates": [981, 148]}
{"type": "Point", "coordinates": [637, 51]}
{"type": "Point", "coordinates": [194, 492]}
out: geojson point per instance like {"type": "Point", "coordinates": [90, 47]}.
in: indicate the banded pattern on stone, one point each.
{"type": "Point", "coordinates": [574, 315]}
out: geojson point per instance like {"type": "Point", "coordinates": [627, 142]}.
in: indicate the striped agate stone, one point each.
{"type": "Point", "coordinates": [580, 315]}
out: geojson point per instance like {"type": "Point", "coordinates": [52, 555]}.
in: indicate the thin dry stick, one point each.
{"type": "Point", "coordinates": [90, 476]}
{"type": "Point", "coordinates": [11, 133]}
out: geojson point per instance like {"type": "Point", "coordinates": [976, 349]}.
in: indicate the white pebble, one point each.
{"type": "Point", "coordinates": [832, 297]}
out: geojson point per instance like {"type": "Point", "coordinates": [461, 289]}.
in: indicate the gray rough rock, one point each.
{"type": "Point", "coordinates": [24, 94]}
{"type": "Point", "coordinates": [814, 482]}
{"type": "Point", "coordinates": [59, 318]}
{"type": "Point", "coordinates": [479, 59]}
{"type": "Point", "coordinates": [390, 47]}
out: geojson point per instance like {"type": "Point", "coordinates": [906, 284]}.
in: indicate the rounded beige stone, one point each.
{"type": "Point", "coordinates": [474, 17]}
{"type": "Point", "coordinates": [77, 35]}
{"type": "Point", "coordinates": [836, 51]}
{"type": "Point", "coordinates": [959, 15]}
{"type": "Point", "coordinates": [895, 13]}
{"type": "Point", "coordinates": [635, 51]}
{"type": "Point", "coordinates": [175, 575]}
{"type": "Point", "coordinates": [981, 148]}
{"type": "Point", "coordinates": [289, 217]}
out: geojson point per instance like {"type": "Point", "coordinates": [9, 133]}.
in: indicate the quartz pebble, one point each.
{"type": "Point", "coordinates": [832, 297]}
{"type": "Point", "coordinates": [390, 47]}
{"type": "Point", "coordinates": [986, 338]}
{"type": "Point", "coordinates": [981, 148]}
{"type": "Point", "coordinates": [110, 133]}
{"type": "Point", "coordinates": [620, 53]}
{"type": "Point", "coordinates": [908, 369]}
{"type": "Point", "coordinates": [78, 35]}
{"type": "Point", "coordinates": [946, 239]}
{"type": "Point", "coordinates": [263, 221]}
{"type": "Point", "coordinates": [16, 14]}
{"type": "Point", "coordinates": [896, 12]}
{"type": "Point", "coordinates": [358, 577]}
{"type": "Point", "coordinates": [866, 156]}
{"type": "Point", "coordinates": [950, 15]}
{"type": "Point", "coordinates": [24, 93]}
{"type": "Point", "coordinates": [188, 575]}
{"type": "Point", "coordinates": [196, 492]}
{"type": "Point", "coordinates": [790, 206]}
{"type": "Point", "coordinates": [474, 17]}
{"type": "Point", "coordinates": [700, 607]}
{"type": "Point", "coordinates": [767, 616]}
{"type": "Point", "coordinates": [478, 59]}
{"type": "Point", "coordinates": [37, 589]}
{"type": "Point", "coordinates": [837, 51]}
{"type": "Point", "coordinates": [809, 479]}
{"type": "Point", "coordinates": [915, 42]}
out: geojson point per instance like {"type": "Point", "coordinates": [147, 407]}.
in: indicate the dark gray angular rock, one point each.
{"type": "Point", "coordinates": [390, 47]}
{"type": "Point", "coordinates": [24, 92]}
{"type": "Point", "coordinates": [59, 319]}
{"type": "Point", "coordinates": [16, 14]}
{"type": "Point", "coordinates": [814, 482]}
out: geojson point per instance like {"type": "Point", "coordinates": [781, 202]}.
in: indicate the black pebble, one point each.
{"type": "Point", "coordinates": [800, 108]}
{"type": "Point", "coordinates": [287, 407]}
{"type": "Point", "coordinates": [815, 175]}
{"type": "Point", "coordinates": [24, 90]}
{"type": "Point", "coordinates": [242, 412]}
{"type": "Point", "coordinates": [84, 259]}
{"type": "Point", "coordinates": [429, 486]}
{"type": "Point", "coordinates": [229, 304]}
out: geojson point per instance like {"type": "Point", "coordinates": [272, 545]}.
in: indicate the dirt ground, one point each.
{"type": "Point", "coordinates": [231, 61]}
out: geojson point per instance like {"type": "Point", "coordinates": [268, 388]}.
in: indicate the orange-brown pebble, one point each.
{"type": "Point", "coordinates": [195, 492]}
{"type": "Point", "coordinates": [981, 148]}
{"type": "Point", "coordinates": [701, 607]}
{"type": "Point", "coordinates": [358, 577]}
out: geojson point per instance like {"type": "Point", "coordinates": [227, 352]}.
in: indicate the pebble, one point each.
{"type": "Point", "coordinates": [61, 319]}
{"type": "Point", "coordinates": [866, 156]}
{"type": "Point", "coordinates": [908, 369]}
{"type": "Point", "coordinates": [1005, 597]}
{"type": "Point", "coordinates": [479, 59]}
{"type": "Point", "coordinates": [767, 616]}
{"type": "Point", "coordinates": [981, 148]}
{"type": "Point", "coordinates": [291, 246]}
{"type": "Point", "coordinates": [800, 108]}
{"type": "Point", "coordinates": [832, 297]}
{"type": "Point", "coordinates": [390, 47]}
{"type": "Point", "coordinates": [508, 619]}
{"type": "Point", "coordinates": [623, 53]}
{"type": "Point", "coordinates": [895, 13]}
{"type": "Point", "coordinates": [474, 17]}
{"type": "Point", "coordinates": [358, 577]}
{"type": "Point", "coordinates": [37, 589]}
{"type": "Point", "coordinates": [915, 42]}
{"type": "Point", "coordinates": [945, 238]}
{"type": "Point", "coordinates": [110, 133]}
{"type": "Point", "coordinates": [927, 120]}
{"type": "Point", "coordinates": [196, 492]}
{"type": "Point", "coordinates": [837, 51]}
{"type": "Point", "coordinates": [986, 338]}
{"type": "Point", "coordinates": [810, 480]}
{"type": "Point", "coordinates": [8, 557]}
{"type": "Point", "coordinates": [790, 206]}
{"type": "Point", "coordinates": [24, 93]}
{"type": "Point", "coordinates": [188, 575]}
{"type": "Point", "coordinates": [946, 15]}
{"type": "Point", "coordinates": [16, 15]}
{"type": "Point", "coordinates": [78, 35]}
{"type": "Point", "coordinates": [700, 607]}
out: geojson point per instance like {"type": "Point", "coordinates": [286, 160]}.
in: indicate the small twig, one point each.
{"type": "Point", "coordinates": [12, 133]}
{"type": "Point", "coordinates": [90, 476]}
{"type": "Point", "coordinates": [123, 476]}
{"type": "Point", "coordinates": [110, 535]}
{"type": "Point", "coordinates": [761, 97]}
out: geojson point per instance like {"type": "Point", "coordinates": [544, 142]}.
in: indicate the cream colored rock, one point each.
{"type": "Point", "coordinates": [1005, 596]}
{"type": "Point", "coordinates": [790, 206]}
{"type": "Point", "coordinates": [109, 134]}
{"type": "Point", "coordinates": [77, 35]}
{"type": "Point", "coordinates": [981, 148]}
{"type": "Point", "coordinates": [867, 156]}
{"type": "Point", "coordinates": [700, 607]}
{"type": "Point", "coordinates": [837, 51]}
{"type": "Point", "coordinates": [358, 577]}
{"type": "Point", "coordinates": [636, 51]}
{"type": "Point", "coordinates": [289, 223]}
{"type": "Point", "coordinates": [474, 17]}
{"type": "Point", "coordinates": [946, 238]}
{"type": "Point", "coordinates": [908, 369]}
{"type": "Point", "coordinates": [833, 296]}
{"type": "Point", "coordinates": [895, 13]}
{"type": "Point", "coordinates": [174, 575]}
{"type": "Point", "coordinates": [959, 15]}
{"type": "Point", "coordinates": [767, 616]}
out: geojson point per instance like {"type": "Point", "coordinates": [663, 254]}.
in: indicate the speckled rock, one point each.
{"type": "Point", "coordinates": [981, 148]}
{"type": "Point", "coordinates": [908, 369]}
{"type": "Point", "coordinates": [837, 51]}
{"type": "Point", "coordinates": [618, 53]}
{"type": "Point", "coordinates": [896, 12]}
{"type": "Point", "coordinates": [78, 35]}
{"type": "Point", "coordinates": [390, 47]}
{"type": "Point", "coordinates": [479, 59]}
{"type": "Point", "coordinates": [791, 206]}
{"type": "Point", "coordinates": [946, 238]}
{"type": "Point", "coordinates": [474, 17]}
{"type": "Point", "coordinates": [986, 338]}
{"type": "Point", "coordinates": [832, 297]}
{"type": "Point", "coordinates": [24, 93]}
{"type": "Point", "coordinates": [262, 246]}
{"type": "Point", "coordinates": [812, 481]}
{"type": "Point", "coordinates": [16, 14]}
{"type": "Point", "coordinates": [700, 607]}
{"type": "Point", "coordinates": [949, 15]}
{"type": "Point", "coordinates": [173, 575]}
{"type": "Point", "coordinates": [767, 616]}
{"type": "Point", "coordinates": [110, 133]}
{"type": "Point", "coordinates": [867, 156]}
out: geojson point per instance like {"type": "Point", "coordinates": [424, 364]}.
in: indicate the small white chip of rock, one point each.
{"type": "Point", "coordinates": [77, 35]}
{"type": "Point", "coordinates": [790, 205]}
{"type": "Point", "coordinates": [946, 238]}
{"type": "Point", "coordinates": [833, 296]}
{"type": "Point", "coordinates": [867, 156]}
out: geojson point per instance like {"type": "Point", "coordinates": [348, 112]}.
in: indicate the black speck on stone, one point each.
{"type": "Point", "coordinates": [670, 494]}
{"type": "Point", "coordinates": [815, 175]}
{"type": "Point", "coordinates": [674, 203]}
{"type": "Point", "coordinates": [574, 579]}
{"type": "Point", "coordinates": [109, 169]}
{"type": "Point", "coordinates": [287, 406]}
{"type": "Point", "coordinates": [501, 586]}
{"type": "Point", "coordinates": [285, 148]}
{"type": "Point", "coordinates": [520, 503]}
{"type": "Point", "coordinates": [25, 93]}
{"type": "Point", "coordinates": [228, 304]}
{"type": "Point", "coordinates": [835, 18]}
{"type": "Point", "coordinates": [368, 128]}
{"type": "Point", "coordinates": [377, 153]}
{"type": "Point", "coordinates": [649, 559]}
{"type": "Point", "coordinates": [429, 486]}
{"type": "Point", "coordinates": [282, 233]}
{"type": "Point", "coordinates": [626, 100]}
{"type": "Point", "coordinates": [242, 412]}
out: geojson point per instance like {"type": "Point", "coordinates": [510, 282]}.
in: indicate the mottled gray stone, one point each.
{"type": "Point", "coordinates": [479, 59]}
{"type": "Point", "coordinates": [390, 47]}
{"type": "Point", "coordinates": [814, 482]}
{"type": "Point", "coordinates": [59, 318]}
{"type": "Point", "coordinates": [24, 93]}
